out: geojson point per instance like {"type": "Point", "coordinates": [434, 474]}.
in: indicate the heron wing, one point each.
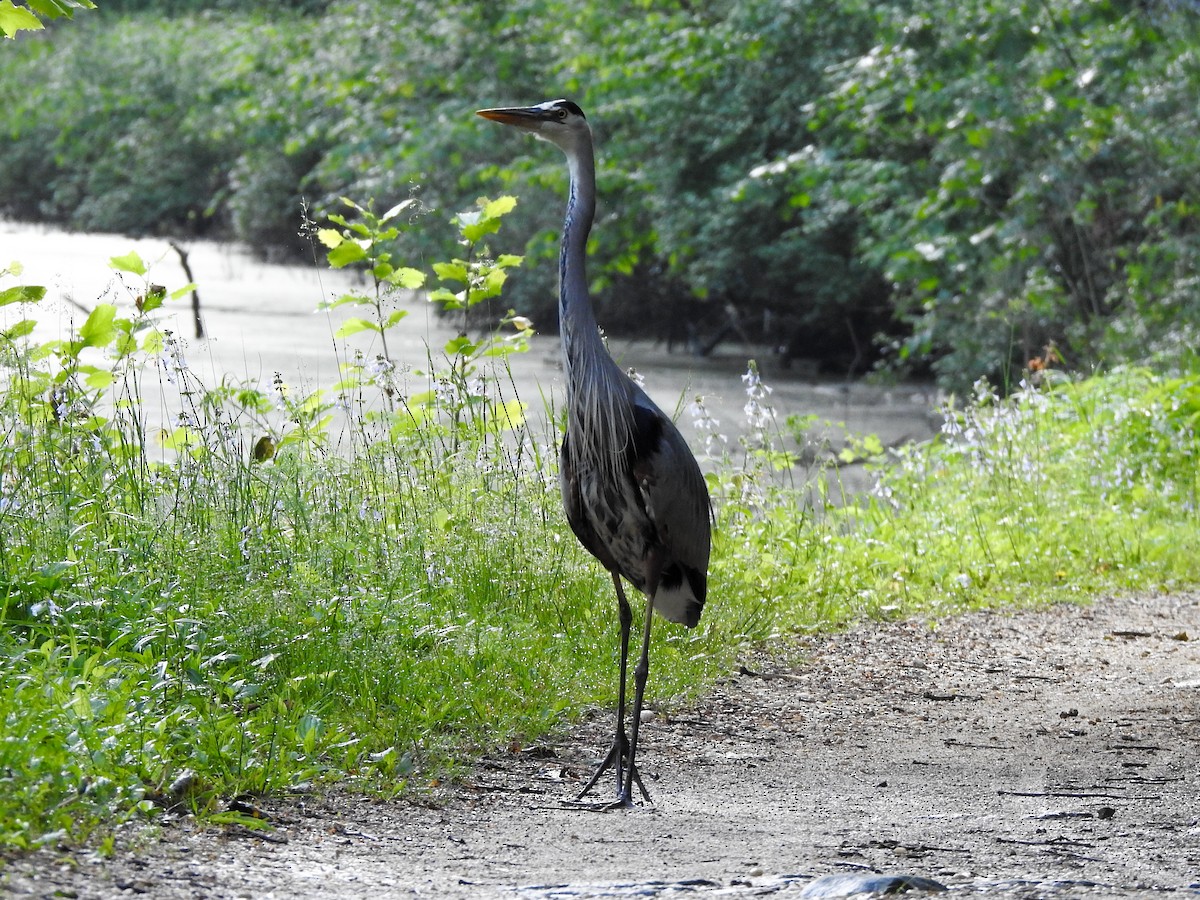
{"type": "Point", "coordinates": [675, 498]}
{"type": "Point", "coordinates": [653, 504]}
{"type": "Point", "coordinates": [577, 518]}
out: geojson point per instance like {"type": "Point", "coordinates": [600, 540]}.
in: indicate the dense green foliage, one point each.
{"type": "Point", "coordinates": [949, 184]}
{"type": "Point", "coordinates": [373, 581]}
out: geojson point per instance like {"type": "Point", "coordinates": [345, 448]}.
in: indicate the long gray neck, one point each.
{"type": "Point", "coordinates": [598, 392]}
{"type": "Point", "coordinates": [576, 318]}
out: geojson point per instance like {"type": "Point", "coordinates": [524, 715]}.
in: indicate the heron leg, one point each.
{"type": "Point", "coordinates": [640, 674]}
{"type": "Point", "coordinates": [619, 756]}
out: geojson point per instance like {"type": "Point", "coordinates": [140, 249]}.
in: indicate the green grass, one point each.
{"type": "Point", "coordinates": [388, 597]}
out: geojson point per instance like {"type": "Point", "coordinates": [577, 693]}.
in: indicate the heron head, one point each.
{"type": "Point", "coordinates": [559, 121]}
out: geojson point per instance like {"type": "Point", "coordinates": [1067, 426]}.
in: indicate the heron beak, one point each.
{"type": "Point", "coordinates": [521, 116]}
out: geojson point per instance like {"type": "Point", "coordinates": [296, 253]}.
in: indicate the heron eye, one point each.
{"type": "Point", "coordinates": [561, 113]}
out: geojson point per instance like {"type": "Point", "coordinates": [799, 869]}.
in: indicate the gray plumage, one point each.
{"type": "Point", "coordinates": [632, 491]}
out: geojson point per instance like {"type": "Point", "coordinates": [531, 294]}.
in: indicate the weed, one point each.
{"type": "Point", "coordinates": [372, 581]}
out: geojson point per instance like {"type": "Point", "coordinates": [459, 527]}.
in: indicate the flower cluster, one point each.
{"type": "Point", "coordinates": [709, 427]}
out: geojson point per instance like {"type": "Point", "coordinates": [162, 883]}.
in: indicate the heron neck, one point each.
{"type": "Point", "coordinates": [598, 414]}
{"type": "Point", "coordinates": [576, 318]}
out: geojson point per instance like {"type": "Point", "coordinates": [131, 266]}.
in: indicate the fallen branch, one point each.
{"type": "Point", "coordinates": [187, 273]}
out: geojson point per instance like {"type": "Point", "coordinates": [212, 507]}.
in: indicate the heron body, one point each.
{"type": "Point", "coordinates": [632, 491]}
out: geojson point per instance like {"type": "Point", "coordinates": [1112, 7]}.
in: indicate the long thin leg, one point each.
{"type": "Point", "coordinates": [640, 673]}
{"type": "Point", "coordinates": [620, 748]}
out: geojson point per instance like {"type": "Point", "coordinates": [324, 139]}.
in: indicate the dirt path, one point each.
{"type": "Point", "coordinates": [1048, 753]}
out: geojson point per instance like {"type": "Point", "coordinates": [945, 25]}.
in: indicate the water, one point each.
{"type": "Point", "coordinates": [261, 319]}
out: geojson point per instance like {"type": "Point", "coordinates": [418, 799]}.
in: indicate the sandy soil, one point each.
{"type": "Point", "coordinates": [1034, 754]}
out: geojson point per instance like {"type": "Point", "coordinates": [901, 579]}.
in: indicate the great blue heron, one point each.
{"type": "Point", "coordinates": [633, 493]}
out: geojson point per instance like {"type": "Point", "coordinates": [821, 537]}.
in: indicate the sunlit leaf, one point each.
{"type": "Point", "coordinates": [98, 330]}
{"type": "Point", "coordinates": [22, 293]}
{"type": "Point", "coordinates": [346, 253]}
{"type": "Point", "coordinates": [100, 379]}
{"type": "Point", "coordinates": [354, 326]}
{"type": "Point", "coordinates": [59, 9]}
{"type": "Point", "coordinates": [342, 301]}
{"type": "Point", "coordinates": [494, 209]}
{"type": "Point", "coordinates": [451, 271]}
{"type": "Point", "coordinates": [131, 262]}
{"type": "Point", "coordinates": [15, 18]}
{"type": "Point", "coordinates": [153, 342]}
{"type": "Point", "coordinates": [510, 414]}
{"type": "Point", "coordinates": [480, 229]}
{"type": "Point", "coordinates": [179, 440]}
{"type": "Point", "coordinates": [407, 278]}
{"type": "Point", "coordinates": [422, 398]}
{"type": "Point", "coordinates": [21, 329]}
{"type": "Point", "coordinates": [460, 344]}
{"type": "Point", "coordinates": [152, 299]}
{"type": "Point", "coordinates": [330, 237]}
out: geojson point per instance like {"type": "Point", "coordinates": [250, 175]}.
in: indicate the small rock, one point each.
{"type": "Point", "coordinates": [868, 883]}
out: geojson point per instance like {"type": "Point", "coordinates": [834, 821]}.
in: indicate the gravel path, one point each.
{"type": "Point", "coordinates": [1047, 753]}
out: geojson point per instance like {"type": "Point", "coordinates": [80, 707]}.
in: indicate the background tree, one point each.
{"type": "Point", "coordinates": [946, 188]}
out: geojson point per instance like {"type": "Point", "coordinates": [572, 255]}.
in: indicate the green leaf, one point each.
{"type": "Point", "coordinates": [354, 326]}
{"type": "Point", "coordinates": [508, 260]}
{"type": "Point", "coordinates": [345, 253]}
{"type": "Point", "coordinates": [100, 379]}
{"type": "Point", "coordinates": [186, 289]}
{"type": "Point", "coordinates": [181, 439]}
{"type": "Point", "coordinates": [21, 329]}
{"type": "Point", "coordinates": [395, 317]}
{"type": "Point", "coordinates": [448, 299]}
{"type": "Point", "coordinates": [407, 278]}
{"type": "Point", "coordinates": [22, 293]}
{"type": "Point", "coordinates": [510, 414]}
{"type": "Point", "coordinates": [451, 271]}
{"type": "Point", "coordinates": [500, 206]}
{"type": "Point", "coordinates": [460, 344]}
{"type": "Point", "coordinates": [15, 18]}
{"type": "Point", "coordinates": [424, 398]}
{"type": "Point", "coordinates": [131, 262]}
{"type": "Point", "coordinates": [57, 9]}
{"type": "Point", "coordinates": [475, 232]}
{"type": "Point", "coordinates": [125, 344]}
{"type": "Point", "coordinates": [153, 342]}
{"type": "Point", "coordinates": [493, 283]}
{"type": "Point", "coordinates": [357, 299]}
{"type": "Point", "coordinates": [330, 237]}
{"type": "Point", "coordinates": [153, 299]}
{"type": "Point", "coordinates": [98, 330]}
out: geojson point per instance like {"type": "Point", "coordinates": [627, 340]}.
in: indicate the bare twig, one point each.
{"type": "Point", "coordinates": [187, 272]}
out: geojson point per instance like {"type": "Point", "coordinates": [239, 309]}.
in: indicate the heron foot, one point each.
{"type": "Point", "coordinates": [617, 759]}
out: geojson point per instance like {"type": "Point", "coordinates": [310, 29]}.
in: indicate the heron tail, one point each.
{"type": "Point", "coordinates": [680, 594]}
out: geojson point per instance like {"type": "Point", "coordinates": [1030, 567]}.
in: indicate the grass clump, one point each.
{"type": "Point", "coordinates": [1063, 489]}
{"type": "Point", "coordinates": [373, 581]}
